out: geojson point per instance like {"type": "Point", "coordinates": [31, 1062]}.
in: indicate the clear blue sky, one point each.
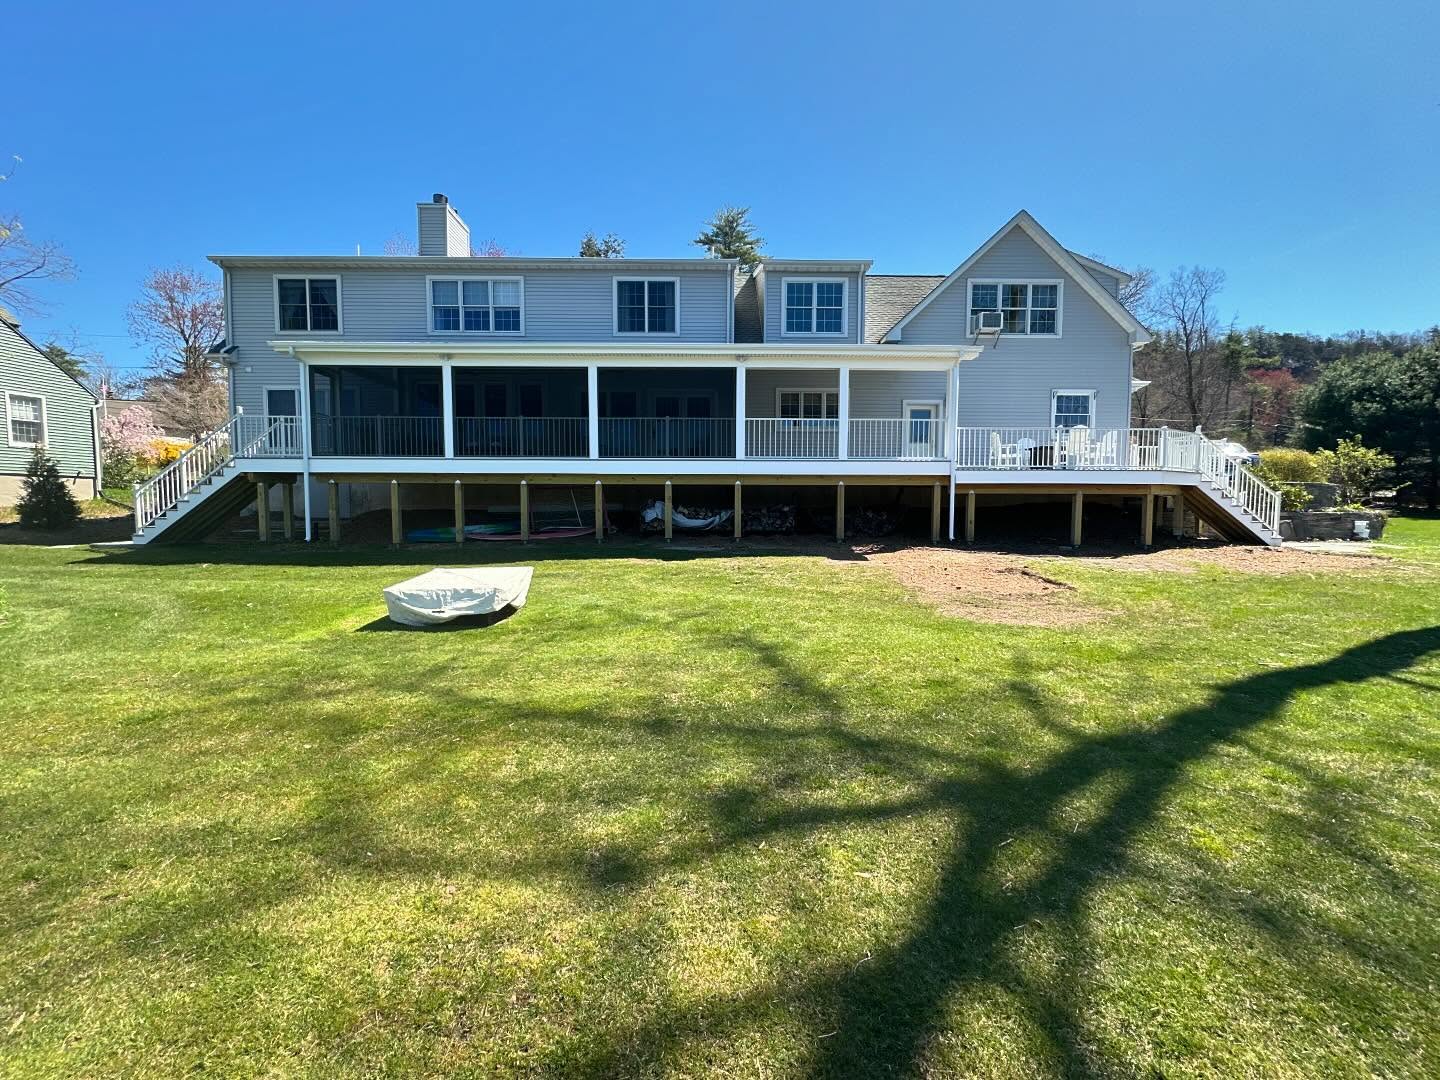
{"type": "Point", "coordinates": [1292, 144]}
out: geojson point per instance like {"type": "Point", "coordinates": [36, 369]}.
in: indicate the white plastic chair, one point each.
{"type": "Point", "coordinates": [1003, 455]}
{"type": "Point", "coordinates": [1077, 447]}
{"type": "Point", "coordinates": [1103, 454]}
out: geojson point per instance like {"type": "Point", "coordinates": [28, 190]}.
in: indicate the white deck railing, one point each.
{"type": "Point", "coordinates": [792, 438]}
{"type": "Point", "coordinates": [897, 440]}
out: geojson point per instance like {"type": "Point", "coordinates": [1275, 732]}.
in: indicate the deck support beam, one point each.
{"type": "Point", "coordinates": [397, 532]}
{"type": "Point", "coordinates": [1147, 520]}
{"type": "Point", "coordinates": [524, 511]}
{"type": "Point", "coordinates": [1077, 518]}
{"type": "Point", "coordinates": [599, 511]}
{"type": "Point", "coordinates": [262, 511]}
{"type": "Point", "coordinates": [669, 512]}
{"type": "Point", "coordinates": [970, 517]}
{"type": "Point", "coordinates": [840, 510]}
{"type": "Point", "coordinates": [935, 513]}
{"type": "Point", "coordinates": [738, 501]}
{"type": "Point", "coordinates": [1177, 516]}
{"type": "Point", "coordinates": [287, 491]}
{"type": "Point", "coordinates": [333, 494]}
{"type": "Point", "coordinates": [459, 513]}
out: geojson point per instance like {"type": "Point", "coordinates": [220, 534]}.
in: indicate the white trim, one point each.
{"type": "Point", "coordinates": [460, 279]}
{"type": "Point", "coordinates": [307, 278]}
{"type": "Point", "coordinates": [632, 467]}
{"type": "Point", "coordinates": [802, 390]}
{"type": "Point", "coordinates": [1109, 271]}
{"type": "Point", "coordinates": [615, 307]}
{"type": "Point", "coordinates": [1000, 284]}
{"type": "Point", "coordinates": [1062, 258]}
{"type": "Point", "coordinates": [265, 397]}
{"type": "Point", "coordinates": [1054, 394]}
{"type": "Point", "coordinates": [10, 419]}
{"type": "Point", "coordinates": [844, 284]}
{"type": "Point", "coordinates": [906, 404]}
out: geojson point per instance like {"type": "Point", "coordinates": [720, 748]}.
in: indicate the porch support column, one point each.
{"type": "Point", "coordinates": [262, 510]}
{"type": "Point", "coordinates": [287, 510]}
{"type": "Point", "coordinates": [950, 484]}
{"type": "Point", "coordinates": [524, 511]}
{"type": "Point", "coordinates": [1077, 517]}
{"type": "Point", "coordinates": [397, 532]}
{"type": "Point", "coordinates": [737, 509]}
{"type": "Point", "coordinates": [669, 513]}
{"type": "Point", "coordinates": [1147, 519]}
{"type": "Point", "coordinates": [447, 410]}
{"type": "Point", "coordinates": [935, 514]}
{"type": "Point", "coordinates": [739, 425]}
{"type": "Point", "coordinates": [970, 517]}
{"type": "Point", "coordinates": [592, 409]}
{"type": "Point", "coordinates": [599, 511]}
{"type": "Point", "coordinates": [334, 508]}
{"type": "Point", "coordinates": [840, 509]}
{"type": "Point", "coordinates": [952, 380]}
{"type": "Point", "coordinates": [843, 442]}
{"type": "Point", "coordinates": [459, 513]}
{"type": "Point", "coordinates": [1177, 515]}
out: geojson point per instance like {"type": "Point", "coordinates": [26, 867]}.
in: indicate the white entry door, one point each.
{"type": "Point", "coordinates": [922, 429]}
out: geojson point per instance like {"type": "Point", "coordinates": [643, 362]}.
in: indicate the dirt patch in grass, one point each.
{"type": "Point", "coordinates": [1240, 558]}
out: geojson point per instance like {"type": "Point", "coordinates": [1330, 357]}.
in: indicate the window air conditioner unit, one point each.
{"type": "Point", "coordinates": [989, 322]}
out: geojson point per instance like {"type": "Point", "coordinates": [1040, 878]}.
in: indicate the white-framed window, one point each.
{"type": "Point", "coordinates": [813, 306]}
{"type": "Point", "coordinates": [647, 305]}
{"type": "Point", "coordinates": [476, 305]}
{"type": "Point", "coordinates": [1072, 408]}
{"type": "Point", "coordinates": [1031, 308]}
{"type": "Point", "coordinates": [308, 304]}
{"type": "Point", "coordinates": [25, 419]}
{"type": "Point", "coordinates": [807, 404]}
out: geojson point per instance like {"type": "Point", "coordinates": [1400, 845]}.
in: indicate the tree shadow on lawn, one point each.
{"type": "Point", "coordinates": [880, 1017]}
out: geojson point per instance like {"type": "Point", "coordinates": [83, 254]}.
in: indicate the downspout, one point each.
{"type": "Point", "coordinates": [95, 446]}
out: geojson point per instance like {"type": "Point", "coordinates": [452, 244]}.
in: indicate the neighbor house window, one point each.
{"type": "Point", "coordinates": [809, 404]}
{"type": "Point", "coordinates": [308, 303]}
{"type": "Point", "coordinates": [646, 306]}
{"type": "Point", "coordinates": [814, 307]}
{"type": "Point", "coordinates": [1073, 408]}
{"type": "Point", "coordinates": [1029, 307]}
{"type": "Point", "coordinates": [476, 305]}
{"type": "Point", "coordinates": [27, 419]}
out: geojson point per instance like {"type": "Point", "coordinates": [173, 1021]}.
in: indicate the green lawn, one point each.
{"type": "Point", "coordinates": [715, 816]}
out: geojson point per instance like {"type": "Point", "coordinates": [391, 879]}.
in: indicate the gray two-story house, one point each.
{"type": "Point", "coordinates": [381, 382]}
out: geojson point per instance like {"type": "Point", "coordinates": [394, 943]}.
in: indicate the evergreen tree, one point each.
{"type": "Point", "coordinates": [45, 500]}
{"type": "Point", "coordinates": [730, 235]}
{"type": "Point", "coordinates": [610, 247]}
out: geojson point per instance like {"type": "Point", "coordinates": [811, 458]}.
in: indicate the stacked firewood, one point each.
{"type": "Point", "coordinates": [778, 518]}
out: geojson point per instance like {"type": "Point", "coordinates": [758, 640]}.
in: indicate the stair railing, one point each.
{"type": "Point", "coordinates": [171, 484]}
{"type": "Point", "coordinates": [1236, 480]}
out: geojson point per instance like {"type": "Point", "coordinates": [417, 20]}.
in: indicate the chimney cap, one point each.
{"type": "Point", "coordinates": [438, 197]}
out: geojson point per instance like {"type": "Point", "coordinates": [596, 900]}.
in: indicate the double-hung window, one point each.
{"type": "Point", "coordinates": [476, 305]}
{"type": "Point", "coordinates": [646, 305]}
{"type": "Point", "coordinates": [308, 304]}
{"type": "Point", "coordinates": [26, 416]}
{"type": "Point", "coordinates": [1073, 408]}
{"type": "Point", "coordinates": [1028, 307]}
{"type": "Point", "coordinates": [809, 404]}
{"type": "Point", "coordinates": [814, 306]}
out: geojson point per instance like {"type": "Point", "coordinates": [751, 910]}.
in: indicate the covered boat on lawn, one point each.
{"type": "Point", "coordinates": [448, 593]}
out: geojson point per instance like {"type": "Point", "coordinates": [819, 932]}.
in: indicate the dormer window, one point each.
{"type": "Point", "coordinates": [814, 306]}
{"type": "Point", "coordinates": [308, 304]}
{"type": "Point", "coordinates": [477, 305]}
{"type": "Point", "coordinates": [646, 305]}
{"type": "Point", "coordinates": [1028, 307]}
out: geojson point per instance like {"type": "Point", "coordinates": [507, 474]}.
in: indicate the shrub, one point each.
{"type": "Point", "coordinates": [1354, 467]}
{"type": "Point", "coordinates": [1280, 466]}
{"type": "Point", "coordinates": [163, 452]}
{"type": "Point", "coordinates": [1292, 496]}
{"type": "Point", "coordinates": [126, 441]}
{"type": "Point", "coordinates": [45, 499]}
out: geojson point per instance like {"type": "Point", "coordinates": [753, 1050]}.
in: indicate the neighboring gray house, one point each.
{"type": "Point", "coordinates": [43, 406]}
{"type": "Point", "coordinates": [371, 381]}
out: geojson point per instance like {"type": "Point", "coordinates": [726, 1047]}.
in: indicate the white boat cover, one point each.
{"type": "Point", "coordinates": [447, 593]}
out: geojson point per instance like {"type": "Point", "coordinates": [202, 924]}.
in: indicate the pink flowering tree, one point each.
{"type": "Point", "coordinates": [126, 440]}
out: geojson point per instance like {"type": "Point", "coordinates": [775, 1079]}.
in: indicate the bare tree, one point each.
{"type": "Point", "coordinates": [24, 262]}
{"type": "Point", "coordinates": [1135, 293]}
{"type": "Point", "coordinates": [195, 404]}
{"type": "Point", "coordinates": [180, 314]}
{"type": "Point", "coordinates": [1189, 375]}
{"type": "Point", "coordinates": [401, 244]}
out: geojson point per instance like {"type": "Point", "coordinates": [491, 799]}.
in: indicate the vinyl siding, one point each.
{"type": "Point", "coordinates": [1109, 282]}
{"type": "Point", "coordinates": [1011, 382]}
{"type": "Point", "coordinates": [774, 297]}
{"type": "Point", "coordinates": [70, 437]}
{"type": "Point", "coordinates": [880, 395]}
{"type": "Point", "coordinates": [391, 305]}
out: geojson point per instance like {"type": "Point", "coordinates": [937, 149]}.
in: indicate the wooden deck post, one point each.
{"type": "Point", "coordinates": [334, 499]}
{"type": "Point", "coordinates": [287, 490]}
{"type": "Point", "coordinates": [397, 533]}
{"type": "Point", "coordinates": [970, 517]}
{"type": "Point", "coordinates": [524, 511]}
{"type": "Point", "coordinates": [262, 511]}
{"type": "Point", "coordinates": [737, 509]}
{"type": "Point", "coordinates": [840, 510]}
{"type": "Point", "coordinates": [599, 511]}
{"type": "Point", "coordinates": [669, 512]}
{"type": "Point", "coordinates": [1147, 519]}
{"type": "Point", "coordinates": [459, 513]}
{"type": "Point", "coordinates": [935, 514]}
{"type": "Point", "coordinates": [1077, 517]}
{"type": "Point", "coordinates": [1177, 515]}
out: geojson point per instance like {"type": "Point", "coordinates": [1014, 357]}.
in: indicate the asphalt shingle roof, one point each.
{"type": "Point", "coordinates": [889, 298]}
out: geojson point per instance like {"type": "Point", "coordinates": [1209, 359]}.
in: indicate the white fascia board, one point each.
{"type": "Point", "coordinates": [1058, 254]}
{"type": "Point", "coordinates": [837, 266]}
{"type": "Point", "coordinates": [1103, 268]}
{"type": "Point", "coordinates": [599, 467]}
{"type": "Point", "coordinates": [470, 264]}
